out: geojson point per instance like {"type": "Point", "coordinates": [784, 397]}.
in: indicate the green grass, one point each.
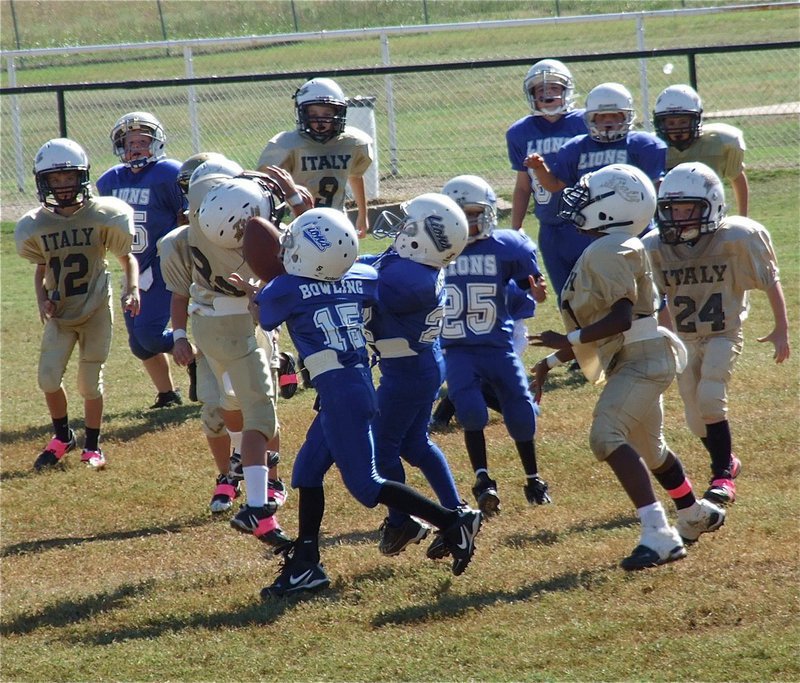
{"type": "Point", "coordinates": [123, 575]}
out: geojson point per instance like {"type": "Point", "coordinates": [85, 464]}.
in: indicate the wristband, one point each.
{"type": "Point", "coordinates": [552, 361]}
{"type": "Point", "coordinates": [178, 334]}
{"type": "Point", "coordinates": [574, 337]}
{"type": "Point", "coordinates": [295, 199]}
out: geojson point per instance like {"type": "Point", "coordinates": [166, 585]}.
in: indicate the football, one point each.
{"type": "Point", "coordinates": [261, 247]}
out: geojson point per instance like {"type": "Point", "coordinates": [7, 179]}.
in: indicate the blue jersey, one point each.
{"type": "Point", "coordinates": [156, 199]}
{"type": "Point", "coordinates": [408, 316]}
{"type": "Point", "coordinates": [536, 134]}
{"type": "Point", "coordinates": [476, 312]}
{"type": "Point", "coordinates": [325, 319]}
{"type": "Point", "coordinates": [582, 155]}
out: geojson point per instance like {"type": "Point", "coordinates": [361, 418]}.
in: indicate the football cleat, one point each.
{"type": "Point", "coordinates": [296, 576]}
{"type": "Point", "coordinates": [167, 399]}
{"type": "Point", "coordinates": [235, 470]}
{"type": "Point", "coordinates": [536, 491]}
{"type": "Point", "coordinates": [485, 492]}
{"type": "Point", "coordinates": [255, 520]}
{"type": "Point", "coordinates": [722, 489]}
{"type": "Point", "coordinates": [460, 538]}
{"type": "Point", "coordinates": [276, 539]}
{"type": "Point", "coordinates": [277, 491]}
{"type": "Point", "coordinates": [53, 452]}
{"type": "Point", "coordinates": [225, 492]}
{"type": "Point", "coordinates": [438, 549]}
{"type": "Point", "coordinates": [656, 546]}
{"type": "Point", "coordinates": [395, 539]}
{"type": "Point", "coordinates": [94, 459]}
{"type": "Point", "coordinates": [703, 517]}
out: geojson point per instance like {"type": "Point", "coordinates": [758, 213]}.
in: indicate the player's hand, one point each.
{"type": "Point", "coordinates": [47, 309]}
{"type": "Point", "coordinates": [539, 372]}
{"type": "Point", "coordinates": [131, 303]}
{"type": "Point", "coordinates": [361, 225]}
{"type": "Point", "coordinates": [182, 352]}
{"type": "Point", "coordinates": [549, 339]}
{"type": "Point", "coordinates": [534, 161]}
{"type": "Point", "coordinates": [780, 340]}
{"type": "Point", "coordinates": [243, 285]}
{"type": "Point", "coordinates": [538, 288]}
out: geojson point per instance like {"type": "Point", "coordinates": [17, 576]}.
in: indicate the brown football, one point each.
{"type": "Point", "coordinates": [262, 247]}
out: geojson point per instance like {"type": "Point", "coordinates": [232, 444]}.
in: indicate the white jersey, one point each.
{"type": "Point", "coordinates": [176, 260]}
{"type": "Point", "coordinates": [706, 284]}
{"type": "Point", "coordinates": [322, 167]}
{"type": "Point", "coordinates": [73, 249]}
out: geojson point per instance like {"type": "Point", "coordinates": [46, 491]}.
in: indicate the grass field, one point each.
{"type": "Point", "coordinates": [123, 574]}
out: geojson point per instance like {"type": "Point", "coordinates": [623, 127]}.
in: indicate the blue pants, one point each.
{"type": "Point", "coordinates": [501, 368]}
{"type": "Point", "coordinates": [407, 390]}
{"type": "Point", "coordinates": [149, 333]}
{"type": "Point", "coordinates": [561, 246]}
{"type": "Point", "coordinates": [340, 434]}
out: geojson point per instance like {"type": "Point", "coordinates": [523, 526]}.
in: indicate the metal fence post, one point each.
{"type": "Point", "coordinates": [390, 115]}
{"type": "Point", "coordinates": [194, 124]}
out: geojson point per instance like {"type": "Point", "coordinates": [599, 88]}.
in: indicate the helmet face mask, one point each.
{"type": "Point", "coordinates": [678, 116]}
{"type": "Point", "coordinates": [615, 199]}
{"type": "Point", "coordinates": [549, 88]}
{"type": "Point", "coordinates": [472, 193]}
{"type": "Point", "coordinates": [151, 139]}
{"type": "Point", "coordinates": [321, 109]}
{"type": "Point", "coordinates": [59, 156]}
{"type": "Point", "coordinates": [609, 98]}
{"type": "Point", "coordinates": [691, 203]}
{"type": "Point", "coordinates": [320, 244]}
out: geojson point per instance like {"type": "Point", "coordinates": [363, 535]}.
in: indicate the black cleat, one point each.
{"type": "Point", "coordinates": [296, 576]}
{"type": "Point", "coordinates": [166, 399]}
{"type": "Point", "coordinates": [395, 539]}
{"type": "Point", "coordinates": [536, 491]}
{"type": "Point", "coordinates": [460, 538]}
{"type": "Point", "coordinates": [485, 492]}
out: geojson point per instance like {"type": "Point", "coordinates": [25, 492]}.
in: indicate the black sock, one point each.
{"type": "Point", "coordinates": [527, 455]}
{"type": "Point", "coordinates": [673, 480]}
{"type": "Point", "coordinates": [405, 499]}
{"type": "Point", "coordinates": [475, 442]}
{"type": "Point", "coordinates": [311, 508]}
{"type": "Point", "coordinates": [718, 444]}
{"type": "Point", "coordinates": [92, 439]}
{"type": "Point", "coordinates": [306, 548]}
{"type": "Point", "coordinates": [61, 428]}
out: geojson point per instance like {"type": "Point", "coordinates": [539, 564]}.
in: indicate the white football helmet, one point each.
{"type": "Point", "coordinates": [320, 91]}
{"type": "Point", "coordinates": [226, 208]}
{"type": "Point", "coordinates": [546, 72]}
{"type": "Point", "coordinates": [321, 244]}
{"type": "Point", "coordinates": [61, 154]}
{"type": "Point", "coordinates": [693, 183]}
{"type": "Point", "coordinates": [207, 175]}
{"type": "Point", "coordinates": [614, 199]}
{"type": "Point", "coordinates": [433, 229]}
{"type": "Point", "coordinates": [140, 122]}
{"type": "Point", "coordinates": [679, 100]}
{"type": "Point", "coordinates": [188, 167]}
{"type": "Point", "coordinates": [471, 192]}
{"type": "Point", "coordinates": [608, 98]}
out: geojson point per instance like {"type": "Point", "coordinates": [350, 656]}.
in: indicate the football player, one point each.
{"type": "Point", "coordinates": [403, 328]}
{"type": "Point", "coordinates": [705, 262]}
{"type": "Point", "coordinates": [678, 120]}
{"type": "Point", "coordinates": [477, 337]}
{"type": "Point", "coordinates": [611, 140]}
{"type": "Point", "coordinates": [609, 308]}
{"type": "Point", "coordinates": [223, 330]}
{"type": "Point", "coordinates": [146, 180]}
{"type": "Point", "coordinates": [323, 153]}
{"type": "Point", "coordinates": [321, 298]}
{"type": "Point", "coordinates": [550, 91]}
{"type": "Point", "coordinates": [67, 239]}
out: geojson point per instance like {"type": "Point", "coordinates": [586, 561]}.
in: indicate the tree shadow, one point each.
{"type": "Point", "coordinates": [38, 546]}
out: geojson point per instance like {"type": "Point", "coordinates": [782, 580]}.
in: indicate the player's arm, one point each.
{"type": "Point", "coordinates": [780, 333]}
{"type": "Point", "coordinates": [741, 189]}
{"type": "Point", "coordinates": [520, 199]}
{"type": "Point", "coordinates": [544, 175]}
{"type": "Point", "coordinates": [46, 307]}
{"type": "Point", "coordinates": [130, 299]}
{"type": "Point", "coordinates": [182, 351]}
{"type": "Point", "coordinates": [360, 196]}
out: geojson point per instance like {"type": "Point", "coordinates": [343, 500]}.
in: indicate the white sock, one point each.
{"type": "Point", "coordinates": [236, 440]}
{"type": "Point", "coordinates": [653, 515]}
{"type": "Point", "coordinates": [255, 479]}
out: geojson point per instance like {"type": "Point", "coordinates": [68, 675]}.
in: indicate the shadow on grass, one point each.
{"type": "Point", "coordinates": [144, 421]}
{"type": "Point", "coordinates": [448, 606]}
{"type": "Point", "coordinates": [548, 537]}
{"type": "Point", "coordinates": [68, 612]}
{"type": "Point", "coordinates": [42, 545]}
